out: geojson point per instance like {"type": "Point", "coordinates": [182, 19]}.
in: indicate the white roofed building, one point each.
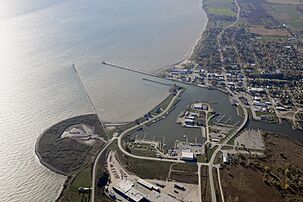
{"type": "Point", "coordinates": [187, 155]}
{"type": "Point", "coordinates": [126, 189]}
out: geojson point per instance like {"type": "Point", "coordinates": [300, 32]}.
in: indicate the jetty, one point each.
{"type": "Point", "coordinates": [129, 69]}
{"type": "Point", "coordinates": [89, 99]}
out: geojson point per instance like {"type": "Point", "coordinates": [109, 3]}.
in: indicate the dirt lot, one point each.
{"type": "Point", "coordinates": [144, 168]}
{"type": "Point", "coordinates": [300, 8]}
{"type": "Point", "coordinates": [186, 173]}
{"type": "Point", "coordinates": [269, 32]}
{"type": "Point", "coordinates": [242, 184]}
{"type": "Point", "coordinates": [256, 14]}
{"type": "Point", "coordinates": [282, 150]}
{"type": "Point", "coordinates": [276, 177]}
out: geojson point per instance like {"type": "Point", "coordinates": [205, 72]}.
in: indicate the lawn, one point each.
{"type": "Point", "coordinates": [219, 3]}
{"type": "Point", "coordinates": [240, 111]}
{"type": "Point", "coordinates": [83, 179]}
{"type": "Point", "coordinates": [221, 11]}
{"type": "Point", "coordinates": [287, 14]}
{"type": "Point", "coordinates": [145, 168]}
{"type": "Point", "coordinates": [210, 152]}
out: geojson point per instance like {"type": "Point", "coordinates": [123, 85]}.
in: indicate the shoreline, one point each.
{"type": "Point", "coordinates": [191, 52]}
{"type": "Point", "coordinates": [49, 167]}
{"type": "Point", "coordinates": [69, 177]}
{"type": "Point", "coordinates": [45, 164]}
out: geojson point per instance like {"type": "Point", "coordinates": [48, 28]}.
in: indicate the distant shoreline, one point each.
{"type": "Point", "coordinates": [46, 165]}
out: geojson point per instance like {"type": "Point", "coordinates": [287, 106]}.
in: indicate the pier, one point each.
{"type": "Point", "coordinates": [84, 89]}
{"type": "Point", "coordinates": [140, 72]}
{"type": "Point", "coordinates": [157, 82]}
{"type": "Point", "coordinates": [129, 69]}
{"type": "Point", "coordinates": [88, 97]}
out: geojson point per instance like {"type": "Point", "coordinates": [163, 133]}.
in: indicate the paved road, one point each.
{"type": "Point", "coordinates": [211, 182]}
{"type": "Point", "coordinates": [95, 166]}
{"type": "Point", "coordinates": [274, 104]}
{"type": "Point", "coordinates": [238, 15]}
{"type": "Point", "coordinates": [220, 185]}
{"type": "Point", "coordinates": [211, 162]}
{"type": "Point", "coordinates": [135, 156]}
{"type": "Point", "coordinates": [144, 123]}
{"type": "Point", "coordinates": [200, 183]}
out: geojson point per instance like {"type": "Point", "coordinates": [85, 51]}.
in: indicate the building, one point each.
{"type": "Point", "coordinates": [148, 185]}
{"type": "Point", "coordinates": [189, 122]}
{"type": "Point", "coordinates": [198, 106]}
{"type": "Point", "coordinates": [180, 187]}
{"type": "Point", "coordinates": [125, 188]}
{"type": "Point", "coordinates": [226, 159]}
{"type": "Point", "coordinates": [187, 155]}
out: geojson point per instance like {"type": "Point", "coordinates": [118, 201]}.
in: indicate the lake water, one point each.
{"type": "Point", "coordinates": [39, 40]}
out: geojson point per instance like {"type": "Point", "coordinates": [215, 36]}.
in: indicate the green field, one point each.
{"type": "Point", "coordinates": [221, 11]}
{"type": "Point", "coordinates": [83, 179]}
{"type": "Point", "coordinates": [219, 3]}
{"type": "Point", "coordinates": [287, 14]}
{"type": "Point", "coordinates": [145, 168]}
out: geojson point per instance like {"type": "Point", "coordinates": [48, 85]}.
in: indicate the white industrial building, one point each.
{"type": "Point", "coordinates": [126, 189]}
{"type": "Point", "coordinates": [148, 185]}
{"type": "Point", "coordinates": [187, 155]}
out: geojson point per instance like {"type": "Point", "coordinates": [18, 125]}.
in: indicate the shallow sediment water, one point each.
{"type": "Point", "coordinates": [39, 40]}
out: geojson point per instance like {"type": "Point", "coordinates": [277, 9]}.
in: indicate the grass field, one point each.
{"type": "Point", "coordinates": [185, 172]}
{"type": "Point", "coordinates": [83, 179]}
{"type": "Point", "coordinates": [219, 3]}
{"type": "Point", "coordinates": [272, 14]}
{"type": "Point", "coordinates": [269, 32]}
{"type": "Point", "coordinates": [220, 7]}
{"type": "Point", "coordinates": [221, 11]}
{"type": "Point", "coordinates": [210, 152]}
{"type": "Point", "coordinates": [205, 187]}
{"type": "Point", "coordinates": [287, 14]}
{"type": "Point", "coordinates": [145, 168]}
{"type": "Point", "coordinates": [288, 2]}
{"type": "Point", "coordinates": [240, 111]}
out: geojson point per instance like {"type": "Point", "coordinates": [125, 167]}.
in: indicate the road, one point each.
{"type": "Point", "coordinates": [220, 185]}
{"type": "Point", "coordinates": [200, 183]}
{"type": "Point", "coordinates": [211, 162]}
{"type": "Point", "coordinates": [95, 166]}
{"type": "Point", "coordinates": [238, 15]}
{"type": "Point", "coordinates": [135, 156]}
{"type": "Point", "coordinates": [274, 105]}
{"type": "Point", "coordinates": [164, 112]}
